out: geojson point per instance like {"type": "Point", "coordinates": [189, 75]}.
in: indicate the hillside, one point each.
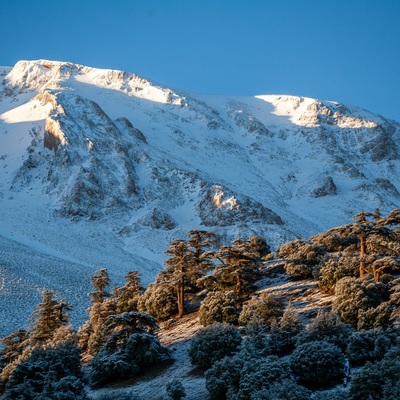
{"type": "Point", "coordinates": [102, 168]}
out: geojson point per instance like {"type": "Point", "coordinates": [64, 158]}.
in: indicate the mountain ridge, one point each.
{"type": "Point", "coordinates": [106, 167]}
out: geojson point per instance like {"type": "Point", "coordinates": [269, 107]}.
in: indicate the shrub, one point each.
{"type": "Point", "coordinates": [223, 378]}
{"type": "Point", "coordinates": [369, 345]}
{"type": "Point", "coordinates": [327, 326]}
{"type": "Point", "coordinates": [301, 257]}
{"type": "Point", "coordinates": [263, 309]}
{"type": "Point", "coordinates": [219, 307]}
{"type": "Point", "coordinates": [140, 350]}
{"type": "Point", "coordinates": [333, 394]}
{"type": "Point", "coordinates": [259, 374]}
{"type": "Point", "coordinates": [359, 302]}
{"type": "Point", "coordinates": [333, 270]}
{"type": "Point", "coordinates": [213, 343]}
{"type": "Point", "coordinates": [159, 300]}
{"type": "Point", "coordinates": [284, 334]}
{"type": "Point", "coordinates": [52, 371]}
{"type": "Point", "coordinates": [379, 380]}
{"type": "Point", "coordinates": [317, 364]}
{"type": "Point", "coordinates": [285, 390]}
{"type": "Point", "coordinates": [175, 390]}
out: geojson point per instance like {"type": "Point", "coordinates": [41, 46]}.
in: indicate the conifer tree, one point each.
{"type": "Point", "coordinates": [238, 269]}
{"type": "Point", "coordinates": [48, 317]}
{"type": "Point", "coordinates": [126, 297]}
{"type": "Point", "coordinates": [91, 334]}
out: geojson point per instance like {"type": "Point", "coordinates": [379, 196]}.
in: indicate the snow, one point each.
{"type": "Point", "coordinates": [270, 150]}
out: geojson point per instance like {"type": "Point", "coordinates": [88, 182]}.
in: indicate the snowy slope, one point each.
{"type": "Point", "coordinates": [102, 168]}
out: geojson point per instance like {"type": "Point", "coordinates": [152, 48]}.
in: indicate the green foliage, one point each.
{"type": "Point", "coordinates": [362, 302]}
{"type": "Point", "coordinates": [213, 343]}
{"type": "Point", "coordinates": [317, 364]}
{"type": "Point", "coordinates": [159, 300]}
{"type": "Point", "coordinates": [285, 332]}
{"type": "Point", "coordinates": [334, 269]}
{"type": "Point", "coordinates": [238, 269]}
{"type": "Point", "coordinates": [379, 380]}
{"type": "Point", "coordinates": [126, 297]}
{"type": "Point", "coordinates": [263, 310]}
{"type": "Point", "coordinates": [327, 326]}
{"type": "Point", "coordinates": [301, 257]}
{"type": "Point", "coordinates": [175, 390]}
{"type": "Point", "coordinates": [369, 345]}
{"type": "Point", "coordinates": [49, 373]}
{"type": "Point", "coordinates": [223, 378]}
{"type": "Point", "coordinates": [285, 390]}
{"type": "Point", "coordinates": [130, 346]}
{"type": "Point", "coordinates": [219, 307]}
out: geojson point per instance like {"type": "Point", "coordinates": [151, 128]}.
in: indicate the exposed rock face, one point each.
{"type": "Point", "coordinates": [220, 207]}
{"type": "Point", "coordinates": [158, 219]}
{"type": "Point", "coordinates": [325, 188]}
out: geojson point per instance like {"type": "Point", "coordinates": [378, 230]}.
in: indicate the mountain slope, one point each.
{"type": "Point", "coordinates": [102, 168]}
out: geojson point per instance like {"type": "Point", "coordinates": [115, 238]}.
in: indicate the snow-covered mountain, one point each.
{"type": "Point", "coordinates": [102, 168]}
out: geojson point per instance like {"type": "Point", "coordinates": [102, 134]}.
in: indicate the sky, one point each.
{"type": "Point", "coordinates": [341, 50]}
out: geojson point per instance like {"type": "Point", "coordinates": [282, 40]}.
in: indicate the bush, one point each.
{"type": "Point", "coordinates": [219, 307]}
{"type": "Point", "coordinates": [159, 300]}
{"type": "Point", "coordinates": [175, 390]}
{"type": "Point", "coordinates": [369, 345]}
{"type": "Point", "coordinates": [317, 364]}
{"type": "Point", "coordinates": [260, 374]}
{"type": "Point", "coordinates": [223, 378]}
{"type": "Point", "coordinates": [263, 309]}
{"type": "Point", "coordinates": [327, 326]}
{"type": "Point", "coordinates": [284, 334]}
{"type": "Point", "coordinates": [213, 343]}
{"type": "Point", "coordinates": [285, 390]}
{"type": "Point", "coordinates": [48, 372]}
{"type": "Point", "coordinates": [379, 380]}
{"type": "Point", "coordinates": [140, 350]}
{"type": "Point", "coordinates": [334, 394]}
{"type": "Point", "coordinates": [362, 302]}
{"type": "Point", "coordinates": [335, 269]}
{"type": "Point", "coordinates": [301, 257]}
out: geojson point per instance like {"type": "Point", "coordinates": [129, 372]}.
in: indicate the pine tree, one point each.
{"type": "Point", "coordinates": [48, 317]}
{"type": "Point", "coordinates": [188, 261]}
{"type": "Point", "coordinates": [91, 334]}
{"type": "Point", "coordinates": [238, 269]}
{"type": "Point", "coordinates": [126, 297]}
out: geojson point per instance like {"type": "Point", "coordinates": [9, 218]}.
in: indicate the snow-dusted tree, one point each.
{"type": "Point", "coordinates": [327, 326]}
{"type": "Point", "coordinates": [47, 318]}
{"type": "Point", "coordinates": [219, 307]}
{"type": "Point", "coordinates": [362, 302]}
{"type": "Point", "coordinates": [238, 269]}
{"type": "Point", "coordinates": [159, 299]}
{"type": "Point", "coordinates": [175, 390]}
{"type": "Point", "coordinates": [129, 347]}
{"type": "Point", "coordinates": [126, 297]}
{"type": "Point", "coordinates": [317, 364]}
{"type": "Point", "coordinates": [223, 378]}
{"type": "Point", "coordinates": [262, 309]}
{"type": "Point", "coordinates": [370, 345]}
{"type": "Point", "coordinates": [284, 390]}
{"type": "Point", "coordinates": [12, 347]}
{"type": "Point", "coordinates": [189, 260]}
{"type": "Point", "coordinates": [379, 380]}
{"type": "Point", "coordinates": [48, 373]}
{"type": "Point", "coordinates": [91, 336]}
{"type": "Point", "coordinates": [284, 333]}
{"type": "Point", "coordinates": [213, 343]}
{"type": "Point", "coordinates": [301, 257]}
{"type": "Point", "coordinates": [335, 268]}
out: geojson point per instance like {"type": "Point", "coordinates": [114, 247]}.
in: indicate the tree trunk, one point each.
{"type": "Point", "coordinates": [181, 297]}
{"type": "Point", "coordinates": [363, 269]}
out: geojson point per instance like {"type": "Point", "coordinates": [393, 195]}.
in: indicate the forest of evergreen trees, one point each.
{"type": "Point", "coordinates": [253, 345]}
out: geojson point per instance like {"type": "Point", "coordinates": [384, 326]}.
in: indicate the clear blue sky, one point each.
{"type": "Point", "coordinates": [343, 50]}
